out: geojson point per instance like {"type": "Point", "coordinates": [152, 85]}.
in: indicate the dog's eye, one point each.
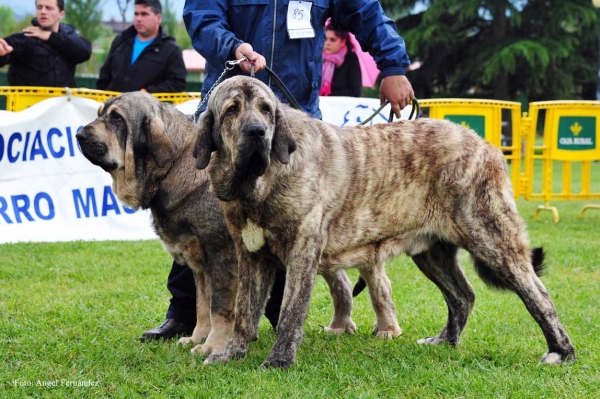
{"type": "Point", "coordinates": [116, 117]}
{"type": "Point", "coordinates": [266, 109]}
{"type": "Point", "coordinates": [232, 110]}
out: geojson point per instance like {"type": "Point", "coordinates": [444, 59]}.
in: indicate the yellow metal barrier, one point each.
{"type": "Point", "coordinates": [569, 149]}
{"type": "Point", "coordinates": [20, 97]}
{"type": "Point", "coordinates": [176, 98]}
{"type": "Point", "coordinates": [499, 122]}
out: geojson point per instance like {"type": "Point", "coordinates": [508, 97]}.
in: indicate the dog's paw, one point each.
{"type": "Point", "coordinates": [202, 350]}
{"type": "Point", "coordinates": [277, 364]}
{"type": "Point", "coordinates": [208, 348]}
{"type": "Point", "coordinates": [346, 327]}
{"type": "Point", "coordinates": [232, 352]}
{"type": "Point", "coordinates": [430, 341]}
{"type": "Point", "coordinates": [556, 358]}
{"type": "Point", "coordinates": [185, 341]}
{"type": "Point", "coordinates": [197, 350]}
{"type": "Point", "coordinates": [388, 332]}
{"type": "Point", "coordinates": [217, 358]}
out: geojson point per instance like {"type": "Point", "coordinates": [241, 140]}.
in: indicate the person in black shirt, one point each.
{"type": "Point", "coordinates": [46, 53]}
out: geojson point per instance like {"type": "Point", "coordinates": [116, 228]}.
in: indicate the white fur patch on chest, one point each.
{"type": "Point", "coordinates": [253, 236]}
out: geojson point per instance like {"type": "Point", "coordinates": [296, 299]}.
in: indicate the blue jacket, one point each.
{"type": "Point", "coordinates": [218, 27]}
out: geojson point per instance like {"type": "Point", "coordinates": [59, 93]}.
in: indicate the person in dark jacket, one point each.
{"type": "Point", "coordinates": [46, 53]}
{"type": "Point", "coordinates": [143, 57]}
{"type": "Point", "coordinates": [341, 69]}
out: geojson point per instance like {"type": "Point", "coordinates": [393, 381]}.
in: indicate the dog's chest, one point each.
{"type": "Point", "coordinates": [253, 236]}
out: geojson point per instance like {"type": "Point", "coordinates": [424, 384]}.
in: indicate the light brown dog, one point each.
{"type": "Point", "coordinates": [147, 147]}
{"type": "Point", "coordinates": [320, 198]}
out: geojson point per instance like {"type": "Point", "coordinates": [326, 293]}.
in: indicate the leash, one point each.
{"type": "Point", "coordinates": [229, 65]}
{"type": "Point", "coordinates": [416, 109]}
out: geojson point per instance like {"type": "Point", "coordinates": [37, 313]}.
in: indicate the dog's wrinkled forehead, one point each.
{"type": "Point", "coordinates": [130, 105]}
{"type": "Point", "coordinates": [242, 86]}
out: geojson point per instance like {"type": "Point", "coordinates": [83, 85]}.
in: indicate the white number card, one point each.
{"type": "Point", "coordinates": [298, 20]}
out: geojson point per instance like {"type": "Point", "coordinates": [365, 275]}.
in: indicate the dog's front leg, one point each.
{"type": "Point", "coordinates": [301, 264]}
{"type": "Point", "coordinates": [254, 282]}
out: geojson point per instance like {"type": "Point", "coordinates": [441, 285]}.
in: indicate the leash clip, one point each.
{"type": "Point", "coordinates": [229, 65]}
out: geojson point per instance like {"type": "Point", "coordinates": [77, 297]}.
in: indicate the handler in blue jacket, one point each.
{"type": "Point", "coordinates": [287, 36]}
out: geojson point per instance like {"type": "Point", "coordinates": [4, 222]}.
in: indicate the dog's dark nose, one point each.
{"type": "Point", "coordinates": [255, 131]}
{"type": "Point", "coordinates": [81, 136]}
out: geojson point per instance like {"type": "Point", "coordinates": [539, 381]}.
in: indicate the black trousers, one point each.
{"type": "Point", "coordinates": [183, 291]}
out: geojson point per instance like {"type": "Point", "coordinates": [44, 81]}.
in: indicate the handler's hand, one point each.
{"type": "Point", "coordinates": [5, 48]}
{"type": "Point", "coordinates": [398, 91]}
{"type": "Point", "coordinates": [245, 49]}
{"type": "Point", "coordinates": [36, 31]}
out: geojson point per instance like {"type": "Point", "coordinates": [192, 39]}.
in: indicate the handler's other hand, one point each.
{"type": "Point", "coordinates": [5, 48]}
{"type": "Point", "coordinates": [398, 91]}
{"type": "Point", "coordinates": [36, 31]}
{"type": "Point", "coordinates": [245, 49]}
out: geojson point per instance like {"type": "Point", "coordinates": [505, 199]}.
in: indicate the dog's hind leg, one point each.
{"type": "Point", "coordinates": [511, 267]}
{"type": "Point", "coordinates": [340, 288]}
{"type": "Point", "coordinates": [441, 265]}
{"type": "Point", "coordinates": [380, 290]}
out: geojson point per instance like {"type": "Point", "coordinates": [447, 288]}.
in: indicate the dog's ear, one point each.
{"type": "Point", "coordinates": [283, 144]}
{"type": "Point", "coordinates": [100, 109]}
{"type": "Point", "coordinates": [159, 146]}
{"type": "Point", "coordinates": [204, 142]}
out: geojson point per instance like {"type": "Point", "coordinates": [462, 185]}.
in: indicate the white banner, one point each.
{"type": "Point", "coordinates": [50, 192]}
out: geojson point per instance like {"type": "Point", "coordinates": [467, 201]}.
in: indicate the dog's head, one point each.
{"type": "Point", "coordinates": [245, 124]}
{"type": "Point", "coordinates": [129, 141]}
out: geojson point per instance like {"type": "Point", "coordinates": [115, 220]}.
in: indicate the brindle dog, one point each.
{"type": "Point", "coordinates": [147, 147]}
{"type": "Point", "coordinates": [319, 198]}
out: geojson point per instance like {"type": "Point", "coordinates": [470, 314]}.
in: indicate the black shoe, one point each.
{"type": "Point", "coordinates": [167, 330]}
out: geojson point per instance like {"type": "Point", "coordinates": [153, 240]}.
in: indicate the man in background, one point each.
{"type": "Point", "coordinates": [143, 57]}
{"type": "Point", "coordinates": [46, 53]}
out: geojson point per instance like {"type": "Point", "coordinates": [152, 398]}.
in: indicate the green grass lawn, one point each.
{"type": "Point", "coordinates": [72, 313]}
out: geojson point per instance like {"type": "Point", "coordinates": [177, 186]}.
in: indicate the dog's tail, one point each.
{"type": "Point", "coordinates": [493, 280]}
{"type": "Point", "coordinates": [360, 285]}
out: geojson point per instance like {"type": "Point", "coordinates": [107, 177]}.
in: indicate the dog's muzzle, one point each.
{"type": "Point", "coordinates": [94, 151]}
{"type": "Point", "coordinates": [253, 150]}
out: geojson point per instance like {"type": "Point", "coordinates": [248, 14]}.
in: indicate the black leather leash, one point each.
{"type": "Point", "coordinates": [292, 101]}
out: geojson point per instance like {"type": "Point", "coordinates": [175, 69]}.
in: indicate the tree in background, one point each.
{"type": "Point", "coordinates": [397, 9]}
{"type": "Point", "coordinates": [8, 22]}
{"type": "Point", "coordinates": [181, 36]}
{"type": "Point", "coordinates": [123, 6]}
{"type": "Point", "coordinates": [169, 19]}
{"type": "Point", "coordinates": [86, 17]}
{"type": "Point", "coordinates": [502, 49]}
